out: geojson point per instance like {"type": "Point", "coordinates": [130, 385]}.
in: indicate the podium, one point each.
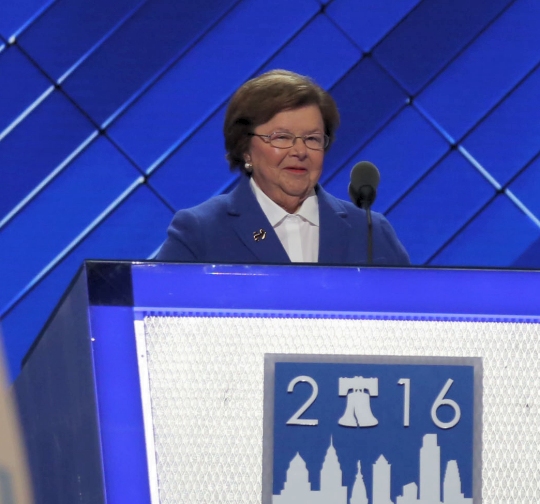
{"type": "Point", "coordinates": [146, 385]}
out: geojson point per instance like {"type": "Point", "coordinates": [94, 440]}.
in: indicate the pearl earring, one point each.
{"type": "Point", "coordinates": [248, 167]}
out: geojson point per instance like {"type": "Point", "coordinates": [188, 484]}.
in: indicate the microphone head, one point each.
{"type": "Point", "coordinates": [365, 179]}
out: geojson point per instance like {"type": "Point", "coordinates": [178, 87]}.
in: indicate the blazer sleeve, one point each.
{"type": "Point", "coordinates": [395, 253]}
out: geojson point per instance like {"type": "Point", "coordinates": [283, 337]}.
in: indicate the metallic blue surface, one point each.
{"type": "Point", "coordinates": [119, 405]}
{"type": "Point", "coordinates": [57, 403]}
{"type": "Point", "coordinates": [393, 292]}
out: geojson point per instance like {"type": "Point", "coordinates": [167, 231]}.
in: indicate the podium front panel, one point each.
{"type": "Point", "coordinates": [174, 371]}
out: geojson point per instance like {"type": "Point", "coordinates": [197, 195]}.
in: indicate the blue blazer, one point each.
{"type": "Point", "coordinates": [221, 230]}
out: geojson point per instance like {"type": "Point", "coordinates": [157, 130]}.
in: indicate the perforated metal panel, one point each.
{"type": "Point", "coordinates": [205, 377]}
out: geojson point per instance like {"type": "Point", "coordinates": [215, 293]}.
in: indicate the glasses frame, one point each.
{"type": "Point", "coordinates": [267, 139]}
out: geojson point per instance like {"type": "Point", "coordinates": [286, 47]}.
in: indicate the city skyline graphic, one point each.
{"type": "Point", "coordinates": [430, 488]}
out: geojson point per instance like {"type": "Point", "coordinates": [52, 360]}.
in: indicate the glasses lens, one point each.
{"type": "Point", "coordinates": [315, 142]}
{"type": "Point", "coordinates": [286, 140]}
{"type": "Point", "coordinates": [282, 140]}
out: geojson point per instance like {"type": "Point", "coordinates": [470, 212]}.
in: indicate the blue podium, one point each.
{"type": "Point", "coordinates": [147, 383]}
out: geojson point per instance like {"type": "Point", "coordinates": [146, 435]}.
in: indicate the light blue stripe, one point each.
{"type": "Point", "coordinates": [25, 113]}
{"type": "Point", "coordinates": [29, 21]}
{"type": "Point", "coordinates": [480, 168]}
{"type": "Point", "coordinates": [522, 206]}
{"type": "Point", "coordinates": [434, 123]}
{"type": "Point", "coordinates": [46, 181]}
{"type": "Point", "coordinates": [99, 43]}
{"type": "Point", "coordinates": [74, 243]}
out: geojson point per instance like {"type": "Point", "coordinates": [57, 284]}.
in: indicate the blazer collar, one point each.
{"type": "Point", "coordinates": [334, 231]}
{"type": "Point", "coordinates": [248, 219]}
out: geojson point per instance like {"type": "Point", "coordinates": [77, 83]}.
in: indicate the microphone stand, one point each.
{"type": "Point", "coordinates": [369, 236]}
{"type": "Point", "coordinates": [366, 197]}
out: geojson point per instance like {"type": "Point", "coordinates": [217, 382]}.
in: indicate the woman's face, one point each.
{"type": "Point", "coordinates": [287, 176]}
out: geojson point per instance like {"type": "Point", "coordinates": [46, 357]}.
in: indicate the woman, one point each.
{"type": "Point", "coordinates": [277, 129]}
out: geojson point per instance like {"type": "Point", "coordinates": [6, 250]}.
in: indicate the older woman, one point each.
{"type": "Point", "coordinates": [278, 127]}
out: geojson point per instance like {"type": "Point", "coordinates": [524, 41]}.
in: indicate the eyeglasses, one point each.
{"type": "Point", "coordinates": [314, 141]}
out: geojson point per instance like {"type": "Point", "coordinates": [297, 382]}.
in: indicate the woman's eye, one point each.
{"type": "Point", "coordinates": [314, 139]}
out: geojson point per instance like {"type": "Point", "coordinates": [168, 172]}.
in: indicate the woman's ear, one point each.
{"type": "Point", "coordinates": [248, 166]}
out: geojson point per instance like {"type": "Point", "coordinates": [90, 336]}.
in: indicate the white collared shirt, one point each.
{"type": "Point", "coordinates": [298, 232]}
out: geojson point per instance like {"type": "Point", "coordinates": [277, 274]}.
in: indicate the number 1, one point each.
{"type": "Point", "coordinates": [406, 400]}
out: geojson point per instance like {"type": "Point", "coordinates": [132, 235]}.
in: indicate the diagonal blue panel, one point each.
{"type": "Point", "coordinates": [198, 169]}
{"type": "Point", "coordinates": [20, 84]}
{"type": "Point", "coordinates": [67, 206]}
{"type": "Point", "coordinates": [438, 206]}
{"type": "Point", "coordinates": [530, 258]}
{"type": "Point", "coordinates": [168, 112]}
{"type": "Point", "coordinates": [37, 146]}
{"type": "Point", "coordinates": [368, 21]}
{"type": "Point", "coordinates": [402, 152]}
{"type": "Point", "coordinates": [331, 54]}
{"type": "Point", "coordinates": [497, 237]}
{"type": "Point", "coordinates": [434, 32]}
{"type": "Point", "coordinates": [151, 39]}
{"type": "Point", "coordinates": [526, 187]}
{"type": "Point", "coordinates": [486, 71]}
{"type": "Point", "coordinates": [366, 97]}
{"type": "Point", "coordinates": [140, 222]}
{"type": "Point", "coordinates": [120, 56]}
{"type": "Point", "coordinates": [67, 30]}
{"type": "Point", "coordinates": [16, 14]}
{"type": "Point", "coordinates": [510, 137]}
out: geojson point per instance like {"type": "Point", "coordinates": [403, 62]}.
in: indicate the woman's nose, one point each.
{"type": "Point", "coordinates": [299, 147]}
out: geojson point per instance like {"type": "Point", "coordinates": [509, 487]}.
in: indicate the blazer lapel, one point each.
{"type": "Point", "coordinates": [334, 231]}
{"type": "Point", "coordinates": [248, 219]}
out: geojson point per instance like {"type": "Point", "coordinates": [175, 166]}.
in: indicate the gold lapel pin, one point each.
{"type": "Point", "coordinates": [259, 235]}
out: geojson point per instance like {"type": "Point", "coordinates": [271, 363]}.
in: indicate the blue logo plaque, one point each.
{"type": "Point", "coordinates": [380, 430]}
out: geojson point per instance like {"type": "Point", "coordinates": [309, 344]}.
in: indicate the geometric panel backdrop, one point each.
{"type": "Point", "coordinates": [111, 117]}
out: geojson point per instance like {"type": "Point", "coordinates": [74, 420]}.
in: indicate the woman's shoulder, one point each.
{"type": "Point", "coordinates": [348, 207]}
{"type": "Point", "coordinates": [221, 204]}
{"type": "Point", "coordinates": [210, 208]}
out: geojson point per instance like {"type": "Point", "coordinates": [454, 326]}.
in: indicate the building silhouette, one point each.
{"type": "Point", "coordinates": [297, 488]}
{"type": "Point", "coordinates": [359, 492]}
{"type": "Point", "coordinates": [381, 481]}
{"type": "Point", "coordinates": [452, 485]}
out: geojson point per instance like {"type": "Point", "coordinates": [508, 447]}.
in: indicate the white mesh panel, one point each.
{"type": "Point", "coordinates": [206, 386]}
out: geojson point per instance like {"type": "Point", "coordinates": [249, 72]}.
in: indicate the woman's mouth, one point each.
{"type": "Point", "coordinates": [296, 169]}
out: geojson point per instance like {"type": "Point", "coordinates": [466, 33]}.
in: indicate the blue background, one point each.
{"type": "Point", "coordinates": [400, 445]}
{"type": "Point", "coordinates": [111, 116]}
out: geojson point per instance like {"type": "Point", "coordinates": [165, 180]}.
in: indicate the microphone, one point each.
{"type": "Point", "coordinates": [364, 182]}
{"type": "Point", "coordinates": [363, 190]}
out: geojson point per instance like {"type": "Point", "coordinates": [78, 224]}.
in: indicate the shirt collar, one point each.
{"type": "Point", "coordinates": [309, 210]}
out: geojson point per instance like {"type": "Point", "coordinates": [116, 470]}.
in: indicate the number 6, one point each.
{"type": "Point", "coordinates": [440, 401]}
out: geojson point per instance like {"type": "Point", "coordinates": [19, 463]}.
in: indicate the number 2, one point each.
{"type": "Point", "coordinates": [295, 419]}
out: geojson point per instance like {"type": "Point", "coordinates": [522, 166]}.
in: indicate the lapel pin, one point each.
{"type": "Point", "coordinates": [259, 235]}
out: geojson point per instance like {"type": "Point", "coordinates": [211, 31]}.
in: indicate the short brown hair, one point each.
{"type": "Point", "coordinates": [261, 98]}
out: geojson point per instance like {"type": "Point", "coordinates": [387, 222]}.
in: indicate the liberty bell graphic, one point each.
{"type": "Point", "coordinates": [358, 410]}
